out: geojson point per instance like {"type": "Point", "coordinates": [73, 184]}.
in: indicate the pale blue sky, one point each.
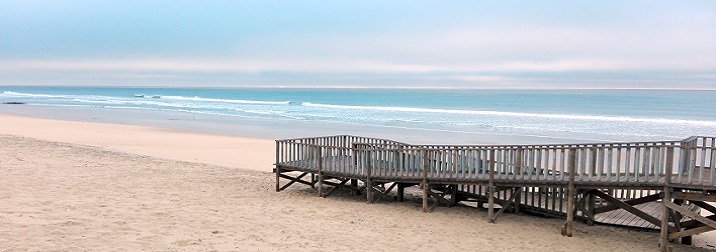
{"type": "Point", "coordinates": [480, 44]}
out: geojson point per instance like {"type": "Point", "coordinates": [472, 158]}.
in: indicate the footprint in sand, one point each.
{"type": "Point", "coordinates": [71, 223]}
{"type": "Point", "coordinates": [184, 243]}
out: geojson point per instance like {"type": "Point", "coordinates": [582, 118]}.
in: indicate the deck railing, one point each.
{"type": "Point", "coordinates": [689, 162]}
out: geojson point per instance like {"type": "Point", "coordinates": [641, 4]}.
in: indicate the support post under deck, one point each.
{"type": "Point", "coordinates": [368, 181]}
{"type": "Point", "coordinates": [278, 167]}
{"type": "Point", "coordinates": [664, 236]}
{"type": "Point", "coordinates": [567, 228]}
{"type": "Point", "coordinates": [491, 188]}
{"type": "Point", "coordinates": [590, 207]}
{"type": "Point", "coordinates": [354, 184]}
{"type": "Point", "coordinates": [424, 184]}
{"type": "Point", "coordinates": [319, 159]}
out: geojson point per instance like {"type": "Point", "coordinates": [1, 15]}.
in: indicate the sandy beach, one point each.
{"type": "Point", "coordinates": [70, 186]}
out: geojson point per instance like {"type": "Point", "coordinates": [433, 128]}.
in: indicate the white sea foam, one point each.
{"type": "Point", "coordinates": [517, 114]}
{"type": "Point", "coordinates": [606, 122]}
{"type": "Point", "coordinates": [16, 94]}
{"type": "Point", "coordinates": [200, 99]}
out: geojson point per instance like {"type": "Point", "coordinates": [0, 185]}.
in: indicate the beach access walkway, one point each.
{"type": "Point", "coordinates": [656, 185]}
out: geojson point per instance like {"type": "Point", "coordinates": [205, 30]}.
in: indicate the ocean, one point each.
{"type": "Point", "coordinates": [423, 115]}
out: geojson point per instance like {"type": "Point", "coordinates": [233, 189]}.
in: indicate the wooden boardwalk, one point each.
{"type": "Point", "coordinates": [657, 185]}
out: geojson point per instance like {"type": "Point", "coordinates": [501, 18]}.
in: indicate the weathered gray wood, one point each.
{"type": "Point", "coordinates": [689, 232]}
{"type": "Point", "coordinates": [319, 157]}
{"type": "Point", "coordinates": [368, 181]}
{"type": "Point", "coordinates": [438, 198]}
{"type": "Point", "coordinates": [632, 168]}
{"type": "Point", "coordinates": [338, 186]}
{"type": "Point", "coordinates": [567, 229]}
{"type": "Point", "coordinates": [491, 186]}
{"type": "Point", "coordinates": [294, 180]}
{"type": "Point", "coordinates": [705, 205]}
{"type": "Point", "coordinates": [590, 210]}
{"type": "Point", "coordinates": [386, 192]}
{"type": "Point", "coordinates": [664, 232]}
{"type": "Point", "coordinates": [642, 200]}
{"type": "Point", "coordinates": [691, 214]}
{"type": "Point", "coordinates": [424, 184]}
{"type": "Point", "coordinates": [629, 208]}
{"type": "Point", "coordinates": [695, 223]}
{"type": "Point", "coordinates": [580, 206]}
{"type": "Point", "coordinates": [694, 196]}
{"type": "Point", "coordinates": [510, 201]}
{"type": "Point", "coordinates": [277, 170]}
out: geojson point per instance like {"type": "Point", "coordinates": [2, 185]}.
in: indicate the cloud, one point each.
{"type": "Point", "coordinates": [342, 66]}
{"type": "Point", "coordinates": [662, 47]}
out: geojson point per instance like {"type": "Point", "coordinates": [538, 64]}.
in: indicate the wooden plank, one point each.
{"type": "Point", "coordinates": [337, 186]}
{"type": "Point", "coordinates": [695, 223]}
{"type": "Point", "coordinates": [277, 170]}
{"type": "Point", "coordinates": [705, 205]}
{"type": "Point", "coordinates": [512, 200]}
{"type": "Point", "coordinates": [319, 157]}
{"type": "Point", "coordinates": [294, 180]}
{"type": "Point", "coordinates": [690, 214]}
{"type": "Point", "coordinates": [590, 216]}
{"type": "Point", "coordinates": [567, 228]}
{"type": "Point", "coordinates": [664, 232]}
{"type": "Point", "coordinates": [425, 185]}
{"type": "Point", "coordinates": [387, 190]}
{"type": "Point", "coordinates": [491, 188]}
{"type": "Point", "coordinates": [629, 208]}
{"type": "Point", "coordinates": [368, 173]}
{"type": "Point", "coordinates": [642, 200]}
{"type": "Point", "coordinates": [439, 197]}
{"type": "Point", "coordinates": [694, 196]}
{"type": "Point", "coordinates": [690, 232]}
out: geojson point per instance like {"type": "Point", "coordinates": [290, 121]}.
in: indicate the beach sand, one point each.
{"type": "Point", "coordinates": [70, 186]}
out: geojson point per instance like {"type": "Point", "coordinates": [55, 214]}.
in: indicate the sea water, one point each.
{"type": "Point", "coordinates": [583, 115]}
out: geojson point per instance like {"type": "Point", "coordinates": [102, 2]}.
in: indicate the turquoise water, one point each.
{"type": "Point", "coordinates": [603, 115]}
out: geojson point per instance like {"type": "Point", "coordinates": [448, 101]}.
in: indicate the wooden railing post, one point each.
{"type": "Point", "coordinates": [368, 173]}
{"type": "Point", "coordinates": [353, 158]}
{"type": "Point", "coordinates": [491, 188]}
{"type": "Point", "coordinates": [278, 167]}
{"type": "Point", "coordinates": [593, 162]}
{"type": "Point", "coordinates": [319, 158]}
{"type": "Point", "coordinates": [353, 164]}
{"type": "Point", "coordinates": [665, 213]}
{"type": "Point", "coordinates": [424, 184]}
{"type": "Point", "coordinates": [567, 228]}
{"type": "Point", "coordinates": [518, 162]}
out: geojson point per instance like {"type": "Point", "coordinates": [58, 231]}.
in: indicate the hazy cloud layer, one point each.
{"type": "Point", "coordinates": [312, 43]}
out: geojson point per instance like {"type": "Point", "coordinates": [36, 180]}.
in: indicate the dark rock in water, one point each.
{"type": "Point", "coordinates": [13, 103]}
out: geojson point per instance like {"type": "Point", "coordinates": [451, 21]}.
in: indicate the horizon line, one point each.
{"type": "Point", "coordinates": [363, 87]}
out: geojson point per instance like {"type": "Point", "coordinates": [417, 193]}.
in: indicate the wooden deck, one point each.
{"type": "Point", "coordinates": [655, 185]}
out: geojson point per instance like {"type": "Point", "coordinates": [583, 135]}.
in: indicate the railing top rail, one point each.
{"type": "Point", "coordinates": [388, 143]}
{"type": "Point", "coordinates": [604, 144]}
{"type": "Point", "coordinates": [335, 136]}
{"type": "Point", "coordinates": [307, 138]}
{"type": "Point", "coordinates": [692, 138]}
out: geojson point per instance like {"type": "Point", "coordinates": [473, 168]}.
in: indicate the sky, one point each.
{"type": "Point", "coordinates": [462, 44]}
